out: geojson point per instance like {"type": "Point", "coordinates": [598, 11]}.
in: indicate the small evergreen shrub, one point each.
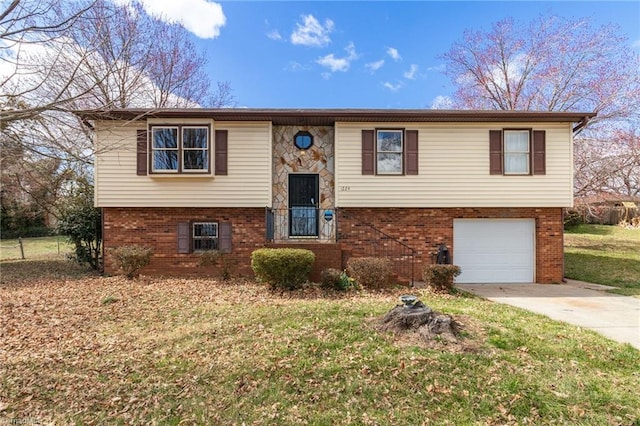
{"type": "Point", "coordinates": [219, 259]}
{"type": "Point", "coordinates": [285, 268]}
{"type": "Point", "coordinates": [370, 272]}
{"type": "Point", "coordinates": [131, 259]}
{"type": "Point", "coordinates": [335, 279]}
{"type": "Point", "coordinates": [440, 277]}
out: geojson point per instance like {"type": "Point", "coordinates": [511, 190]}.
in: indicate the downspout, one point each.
{"type": "Point", "coordinates": [580, 125]}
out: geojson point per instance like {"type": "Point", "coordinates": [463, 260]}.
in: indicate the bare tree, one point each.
{"type": "Point", "coordinates": [550, 64]}
{"type": "Point", "coordinates": [61, 56]}
{"type": "Point", "coordinates": [555, 64]}
{"type": "Point", "coordinates": [28, 28]}
{"type": "Point", "coordinates": [608, 164]}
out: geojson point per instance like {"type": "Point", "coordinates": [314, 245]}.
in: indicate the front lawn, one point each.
{"type": "Point", "coordinates": [35, 248]}
{"type": "Point", "coordinates": [604, 254]}
{"type": "Point", "coordinates": [92, 350]}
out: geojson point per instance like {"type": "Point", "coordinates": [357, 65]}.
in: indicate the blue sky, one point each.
{"type": "Point", "coordinates": [364, 54]}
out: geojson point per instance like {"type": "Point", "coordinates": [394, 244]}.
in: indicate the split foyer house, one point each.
{"type": "Point", "coordinates": [489, 186]}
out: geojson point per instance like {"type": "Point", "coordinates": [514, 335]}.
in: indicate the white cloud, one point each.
{"type": "Point", "coordinates": [203, 18]}
{"type": "Point", "coordinates": [274, 35]}
{"type": "Point", "coordinates": [311, 32]}
{"type": "Point", "coordinates": [411, 74]}
{"type": "Point", "coordinates": [438, 68]}
{"type": "Point", "coordinates": [339, 64]}
{"type": "Point", "coordinates": [393, 87]}
{"type": "Point", "coordinates": [374, 66]}
{"type": "Point", "coordinates": [296, 66]}
{"type": "Point", "coordinates": [636, 44]}
{"type": "Point", "coordinates": [442, 102]}
{"type": "Point", "coordinates": [393, 52]}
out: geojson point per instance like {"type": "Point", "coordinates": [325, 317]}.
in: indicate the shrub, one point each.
{"type": "Point", "coordinates": [285, 268]}
{"type": "Point", "coordinates": [440, 277]}
{"type": "Point", "coordinates": [219, 259]}
{"type": "Point", "coordinates": [572, 218]}
{"type": "Point", "coordinates": [370, 272]}
{"type": "Point", "coordinates": [81, 222]}
{"type": "Point", "coordinates": [131, 259]}
{"type": "Point", "coordinates": [335, 279]}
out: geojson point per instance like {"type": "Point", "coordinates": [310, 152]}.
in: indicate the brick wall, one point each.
{"type": "Point", "coordinates": [421, 229]}
{"type": "Point", "coordinates": [425, 229]}
{"type": "Point", "coordinates": [157, 228]}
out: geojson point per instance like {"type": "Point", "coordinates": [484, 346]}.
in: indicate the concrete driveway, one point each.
{"type": "Point", "coordinates": [579, 303]}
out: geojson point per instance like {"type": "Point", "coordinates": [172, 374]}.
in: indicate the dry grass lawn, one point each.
{"type": "Point", "coordinates": [82, 349]}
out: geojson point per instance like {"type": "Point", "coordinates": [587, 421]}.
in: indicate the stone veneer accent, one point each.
{"type": "Point", "coordinates": [287, 159]}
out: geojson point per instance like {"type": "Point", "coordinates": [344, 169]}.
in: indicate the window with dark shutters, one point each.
{"type": "Point", "coordinates": [411, 143]}
{"type": "Point", "coordinates": [368, 152]}
{"type": "Point", "coordinates": [141, 153]}
{"type": "Point", "coordinates": [221, 152]}
{"type": "Point", "coordinates": [539, 152]}
{"type": "Point", "coordinates": [495, 152]}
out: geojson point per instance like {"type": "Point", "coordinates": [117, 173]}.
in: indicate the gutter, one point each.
{"type": "Point", "coordinates": [581, 124]}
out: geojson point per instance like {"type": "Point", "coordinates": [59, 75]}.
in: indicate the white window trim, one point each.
{"type": "Point", "coordinates": [195, 238]}
{"type": "Point", "coordinates": [401, 152]}
{"type": "Point", "coordinates": [527, 152]}
{"type": "Point", "coordinates": [207, 150]}
{"type": "Point", "coordinates": [180, 149]}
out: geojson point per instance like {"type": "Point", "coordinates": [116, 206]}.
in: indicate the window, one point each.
{"type": "Point", "coordinates": [205, 236]}
{"type": "Point", "coordinates": [303, 140]}
{"type": "Point", "coordinates": [179, 149]}
{"type": "Point", "coordinates": [517, 158]}
{"type": "Point", "coordinates": [389, 145]}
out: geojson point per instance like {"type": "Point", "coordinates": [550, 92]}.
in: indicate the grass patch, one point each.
{"type": "Point", "coordinates": [199, 351]}
{"type": "Point", "coordinates": [604, 254]}
{"type": "Point", "coordinates": [35, 248]}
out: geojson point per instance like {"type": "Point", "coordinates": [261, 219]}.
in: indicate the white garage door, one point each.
{"type": "Point", "coordinates": [494, 250]}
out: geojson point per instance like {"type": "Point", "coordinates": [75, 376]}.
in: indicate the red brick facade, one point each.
{"type": "Point", "coordinates": [421, 229]}
{"type": "Point", "coordinates": [157, 228]}
{"type": "Point", "coordinates": [425, 229]}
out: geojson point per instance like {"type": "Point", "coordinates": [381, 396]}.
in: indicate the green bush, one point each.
{"type": "Point", "coordinates": [370, 272]}
{"type": "Point", "coordinates": [440, 277]}
{"type": "Point", "coordinates": [131, 259]}
{"type": "Point", "coordinates": [220, 260]}
{"type": "Point", "coordinates": [572, 218]}
{"type": "Point", "coordinates": [285, 268]}
{"type": "Point", "coordinates": [335, 279]}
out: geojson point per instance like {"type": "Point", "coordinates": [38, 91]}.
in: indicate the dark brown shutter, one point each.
{"type": "Point", "coordinates": [184, 237]}
{"type": "Point", "coordinates": [141, 153]}
{"type": "Point", "coordinates": [495, 152]}
{"type": "Point", "coordinates": [221, 152]}
{"type": "Point", "coordinates": [224, 237]}
{"type": "Point", "coordinates": [411, 147]}
{"type": "Point", "coordinates": [539, 154]}
{"type": "Point", "coordinates": [368, 152]}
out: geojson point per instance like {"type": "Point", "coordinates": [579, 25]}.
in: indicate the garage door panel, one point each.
{"type": "Point", "coordinates": [494, 250]}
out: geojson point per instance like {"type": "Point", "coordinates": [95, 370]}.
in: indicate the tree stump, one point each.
{"type": "Point", "coordinates": [421, 319]}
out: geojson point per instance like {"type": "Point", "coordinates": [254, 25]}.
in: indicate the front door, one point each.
{"type": "Point", "coordinates": [303, 205]}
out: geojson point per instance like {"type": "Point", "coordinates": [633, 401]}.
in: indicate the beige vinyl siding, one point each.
{"type": "Point", "coordinates": [454, 169]}
{"type": "Point", "coordinates": [248, 183]}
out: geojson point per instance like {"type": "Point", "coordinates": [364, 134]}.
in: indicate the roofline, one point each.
{"type": "Point", "coordinates": [330, 116]}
